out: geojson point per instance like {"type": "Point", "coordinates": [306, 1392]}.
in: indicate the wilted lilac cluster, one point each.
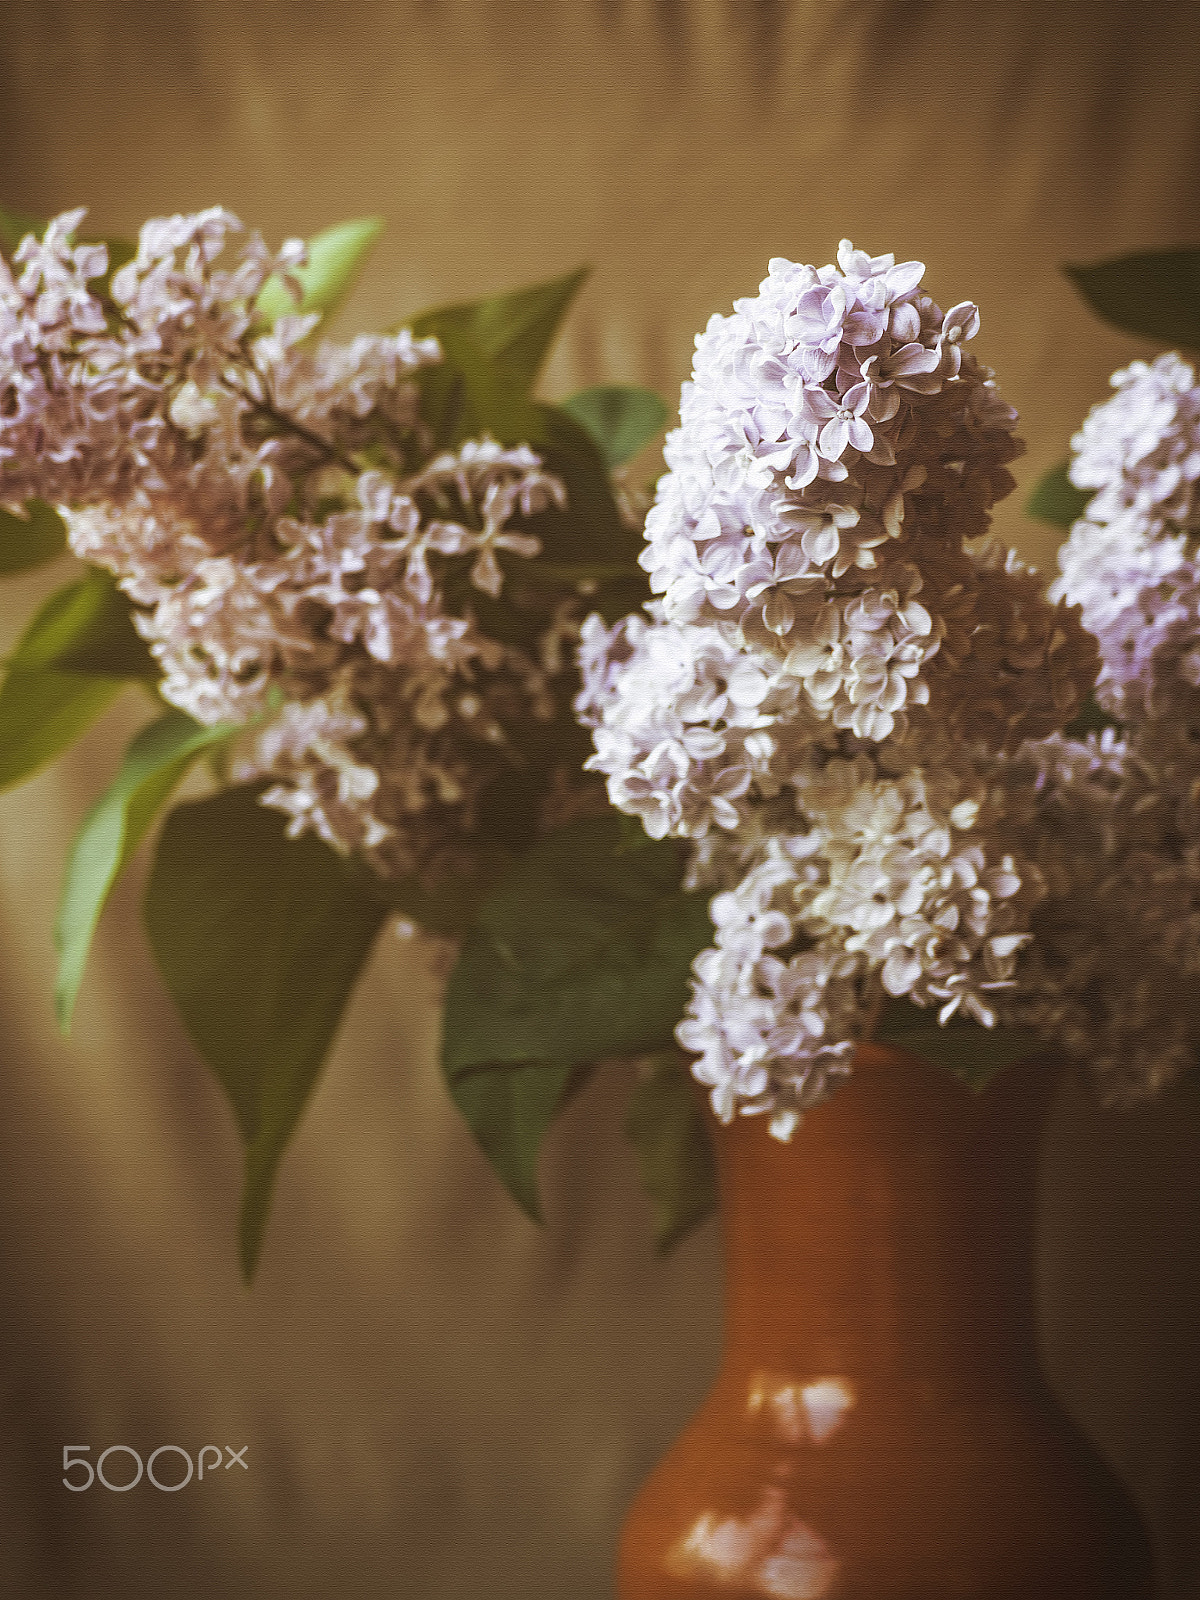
{"type": "Point", "coordinates": [1131, 561]}
{"type": "Point", "coordinates": [1117, 951]}
{"type": "Point", "coordinates": [301, 559]}
{"type": "Point", "coordinates": [1112, 973]}
{"type": "Point", "coordinates": [821, 697]}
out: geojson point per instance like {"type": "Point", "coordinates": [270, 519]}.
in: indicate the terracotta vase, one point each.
{"type": "Point", "coordinates": [879, 1427]}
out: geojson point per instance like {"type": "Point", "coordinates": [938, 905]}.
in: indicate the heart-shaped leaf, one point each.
{"type": "Point", "coordinates": [1154, 294]}
{"type": "Point", "coordinates": [971, 1052]}
{"type": "Point", "coordinates": [335, 258]}
{"type": "Point", "coordinates": [509, 1109]}
{"type": "Point", "coordinates": [620, 420]}
{"type": "Point", "coordinates": [675, 1159]}
{"type": "Point", "coordinates": [260, 939]}
{"type": "Point", "coordinates": [1055, 498]}
{"type": "Point", "coordinates": [155, 762]}
{"type": "Point", "coordinates": [581, 951]}
{"type": "Point", "coordinates": [511, 331]}
{"type": "Point", "coordinates": [70, 664]}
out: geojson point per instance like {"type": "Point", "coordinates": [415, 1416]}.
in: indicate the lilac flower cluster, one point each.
{"type": "Point", "coordinates": [821, 697]}
{"type": "Point", "coordinates": [1115, 957]}
{"type": "Point", "coordinates": [286, 531]}
{"type": "Point", "coordinates": [1131, 560]}
{"type": "Point", "coordinates": [1117, 947]}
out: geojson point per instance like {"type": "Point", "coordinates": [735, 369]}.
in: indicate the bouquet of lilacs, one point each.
{"type": "Point", "coordinates": [401, 608]}
{"type": "Point", "coordinates": [867, 739]}
{"type": "Point", "coordinates": [353, 574]}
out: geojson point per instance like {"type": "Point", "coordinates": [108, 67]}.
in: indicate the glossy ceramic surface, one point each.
{"type": "Point", "coordinates": [879, 1427]}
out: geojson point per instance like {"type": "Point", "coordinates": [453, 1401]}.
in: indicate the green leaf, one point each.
{"type": "Point", "coordinates": [579, 952]}
{"type": "Point", "coordinates": [666, 1127]}
{"type": "Point", "coordinates": [971, 1052]}
{"type": "Point", "coordinates": [1154, 294]}
{"type": "Point", "coordinates": [335, 258]}
{"type": "Point", "coordinates": [42, 714]}
{"type": "Point", "coordinates": [509, 1109]}
{"type": "Point", "coordinates": [589, 529]}
{"type": "Point", "coordinates": [1056, 499]}
{"type": "Point", "coordinates": [512, 331]}
{"type": "Point", "coordinates": [448, 906]}
{"type": "Point", "coordinates": [1091, 719]}
{"type": "Point", "coordinates": [86, 627]}
{"type": "Point", "coordinates": [70, 664]}
{"type": "Point", "coordinates": [260, 939]}
{"type": "Point", "coordinates": [155, 762]}
{"type": "Point", "coordinates": [620, 420]}
{"type": "Point", "coordinates": [32, 539]}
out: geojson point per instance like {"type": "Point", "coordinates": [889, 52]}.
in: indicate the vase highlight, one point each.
{"type": "Point", "coordinates": [880, 1427]}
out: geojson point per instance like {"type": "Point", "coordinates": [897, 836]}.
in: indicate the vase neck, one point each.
{"type": "Point", "coordinates": [893, 1235]}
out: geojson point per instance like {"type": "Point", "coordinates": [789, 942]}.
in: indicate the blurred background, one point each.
{"type": "Point", "coordinates": [438, 1399]}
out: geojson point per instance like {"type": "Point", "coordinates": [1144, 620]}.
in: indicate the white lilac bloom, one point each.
{"type": "Point", "coordinates": [839, 658]}
{"type": "Point", "coordinates": [278, 516]}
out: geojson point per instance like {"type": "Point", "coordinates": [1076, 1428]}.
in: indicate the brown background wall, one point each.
{"type": "Point", "coordinates": [439, 1401]}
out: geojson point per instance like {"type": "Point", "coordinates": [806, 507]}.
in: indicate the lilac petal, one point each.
{"type": "Point", "coordinates": [820, 544]}
{"type": "Point", "coordinates": [816, 365]}
{"type": "Point", "coordinates": [806, 468]}
{"type": "Point", "coordinates": [872, 294]}
{"type": "Point", "coordinates": [860, 434]}
{"type": "Point", "coordinates": [820, 403]}
{"type": "Point", "coordinates": [864, 327]}
{"type": "Point", "coordinates": [833, 438]}
{"type": "Point", "coordinates": [906, 323]}
{"type": "Point", "coordinates": [884, 404]}
{"type": "Point", "coordinates": [903, 278]}
{"type": "Point", "coordinates": [857, 398]}
{"type": "Point", "coordinates": [921, 382]}
{"type": "Point", "coordinates": [961, 322]}
{"type": "Point", "coordinates": [911, 358]}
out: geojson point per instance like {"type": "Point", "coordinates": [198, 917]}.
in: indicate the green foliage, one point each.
{"type": "Point", "coordinates": [155, 762]}
{"type": "Point", "coordinates": [450, 905]}
{"type": "Point", "coordinates": [620, 420]}
{"type": "Point", "coordinates": [675, 1158]}
{"type": "Point", "coordinates": [971, 1052]}
{"type": "Point", "coordinates": [1154, 294]}
{"type": "Point", "coordinates": [71, 663]}
{"type": "Point", "coordinates": [512, 332]}
{"type": "Point", "coordinates": [1090, 719]}
{"type": "Point", "coordinates": [32, 539]}
{"type": "Point", "coordinates": [580, 952]}
{"type": "Point", "coordinates": [43, 713]}
{"type": "Point", "coordinates": [509, 1109]}
{"type": "Point", "coordinates": [1056, 499]}
{"type": "Point", "coordinates": [335, 258]}
{"type": "Point", "coordinates": [260, 939]}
